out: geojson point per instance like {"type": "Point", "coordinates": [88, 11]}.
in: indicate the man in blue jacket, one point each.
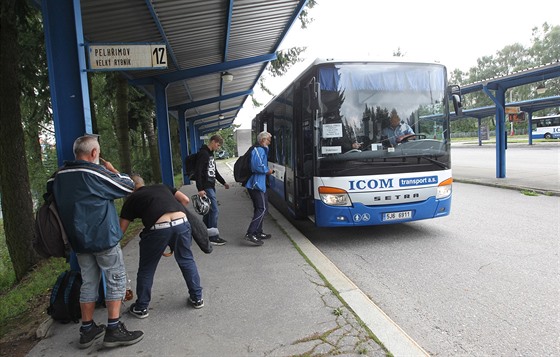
{"type": "Point", "coordinates": [256, 186]}
{"type": "Point", "coordinates": [84, 190]}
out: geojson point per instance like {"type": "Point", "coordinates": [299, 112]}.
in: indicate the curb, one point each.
{"type": "Point", "coordinates": [508, 187]}
{"type": "Point", "coordinates": [394, 338]}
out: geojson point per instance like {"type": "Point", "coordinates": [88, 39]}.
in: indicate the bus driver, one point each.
{"type": "Point", "coordinates": [397, 131]}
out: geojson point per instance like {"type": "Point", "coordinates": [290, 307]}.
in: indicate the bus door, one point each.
{"type": "Point", "coordinates": [304, 118]}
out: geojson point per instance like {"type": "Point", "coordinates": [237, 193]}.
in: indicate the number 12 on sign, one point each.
{"type": "Point", "coordinates": [159, 56]}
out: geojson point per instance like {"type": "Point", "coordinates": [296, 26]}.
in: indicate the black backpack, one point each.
{"type": "Point", "coordinates": [242, 167]}
{"type": "Point", "coordinates": [65, 297]}
{"type": "Point", "coordinates": [190, 164]}
{"type": "Point", "coordinates": [50, 238]}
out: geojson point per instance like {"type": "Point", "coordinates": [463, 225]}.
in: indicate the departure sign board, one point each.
{"type": "Point", "coordinates": [127, 56]}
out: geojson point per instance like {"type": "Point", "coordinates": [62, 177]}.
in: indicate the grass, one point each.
{"type": "Point", "coordinates": [529, 193]}
{"type": "Point", "coordinates": [18, 299]}
{"type": "Point", "coordinates": [510, 139]}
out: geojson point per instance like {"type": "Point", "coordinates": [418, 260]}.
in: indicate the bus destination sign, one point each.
{"type": "Point", "coordinates": [127, 56]}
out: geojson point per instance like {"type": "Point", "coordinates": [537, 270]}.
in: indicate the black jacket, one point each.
{"type": "Point", "coordinates": [206, 172]}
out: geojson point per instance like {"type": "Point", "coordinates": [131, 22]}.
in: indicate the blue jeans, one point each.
{"type": "Point", "coordinates": [211, 219]}
{"type": "Point", "coordinates": [260, 207]}
{"type": "Point", "coordinates": [152, 246]}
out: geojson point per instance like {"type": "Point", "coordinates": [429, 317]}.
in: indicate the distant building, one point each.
{"type": "Point", "coordinates": [243, 139]}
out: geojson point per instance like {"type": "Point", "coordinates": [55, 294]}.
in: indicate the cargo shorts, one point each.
{"type": "Point", "coordinates": [109, 261]}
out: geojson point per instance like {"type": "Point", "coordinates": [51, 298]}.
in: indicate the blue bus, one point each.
{"type": "Point", "coordinates": [337, 158]}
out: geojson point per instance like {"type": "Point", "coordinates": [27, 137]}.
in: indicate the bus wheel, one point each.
{"type": "Point", "coordinates": [548, 136]}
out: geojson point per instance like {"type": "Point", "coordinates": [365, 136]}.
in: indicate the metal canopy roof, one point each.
{"type": "Point", "coordinates": [531, 105]}
{"type": "Point", "coordinates": [531, 75]}
{"type": "Point", "coordinates": [204, 39]}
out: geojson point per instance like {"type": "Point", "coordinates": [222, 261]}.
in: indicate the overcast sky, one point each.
{"type": "Point", "coordinates": [454, 33]}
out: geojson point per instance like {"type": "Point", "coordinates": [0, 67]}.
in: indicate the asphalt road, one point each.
{"type": "Point", "coordinates": [534, 167]}
{"type": "Point", "coordinates": [482, 281]}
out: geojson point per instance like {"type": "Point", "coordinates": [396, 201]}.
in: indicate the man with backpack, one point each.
{"type": "Point", "coordinates": [206, 174]}
{"type": "Point", "coordinates": [84, 190]}
{"type": "Point", "coordinates": [256, 186]}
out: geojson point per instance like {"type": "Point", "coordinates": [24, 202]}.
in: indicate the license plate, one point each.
{"type": "Point", "coordinates": [392, 216]}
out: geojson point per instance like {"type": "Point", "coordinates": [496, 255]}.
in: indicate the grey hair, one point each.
{"type": "Point", "coordinates": [263, 135]}
{"type": "Point", "coordinates": [84, 145]}
{"type": "Point", "coordinates": [137, 179]}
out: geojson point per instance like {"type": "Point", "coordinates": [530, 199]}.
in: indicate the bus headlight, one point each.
{"type": "Point", "coordinates": [333, 196]}
{"type": "Point", "coordinates": [444, 188]}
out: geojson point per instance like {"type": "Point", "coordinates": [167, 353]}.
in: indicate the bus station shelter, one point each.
{"type": "Point", "coordinates": [495, 88]}
{"type": "Point", "coordinates": [198, 60]}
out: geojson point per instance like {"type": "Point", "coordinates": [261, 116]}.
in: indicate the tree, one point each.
{"type": "Point", "coordinates": [123, 140]}
{"type": "Point", "coordinates": [17, 207]}
{"type": "Point", "coordinates": [512, 58]}
{"type": "Point", "coordinates": [546, 50]}
{"type": "Point", "coordinates": [141, 113]}
{"type": "Point", "coordinates": [287, 58]}
{"type": "Point", "coordinates": [35, 98]}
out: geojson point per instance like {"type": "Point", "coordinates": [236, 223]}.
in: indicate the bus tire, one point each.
{"type": "Point", "coordinates": [548, 136]}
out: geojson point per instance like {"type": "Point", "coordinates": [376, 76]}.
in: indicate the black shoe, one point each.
{"type": "Point", "coordinates": [197, 304]}
{"type": "Point", "coordinates": [253, 239]}
{"type": "Point", "coordinates": [139, 313]}
{"type": "Point", "coordinates": [263, 235]}
{"type": "Point", "coordinates": [87, 338]}
{"type": "Point", "coordinates": [120, 336]}
{"type": "Point", "coordinates": [217, 240]}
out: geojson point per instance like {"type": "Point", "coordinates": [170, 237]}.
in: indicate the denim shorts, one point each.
{"type": "Point", "coordinates": [111, 262]}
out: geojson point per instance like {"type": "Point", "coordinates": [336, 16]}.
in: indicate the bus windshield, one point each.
{"type": "Point", "coordinates": [385, 111]}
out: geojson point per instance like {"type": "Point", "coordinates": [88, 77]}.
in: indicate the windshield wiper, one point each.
{"type": "Point", "coordinates": [439, 163]}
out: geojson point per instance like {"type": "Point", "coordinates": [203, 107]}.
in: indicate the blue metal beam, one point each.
{"type": "Point", "coordinates": [193, 138]}
{"type": "Point", "coordinates": [183, 143]}
{"type": "Point", "coordinates": [531, 75]}
{"type": "Point", "coordinates": [208, 115]}
{"type": "Point", "coordinates": [213, 129]}
{"type": "Point", "coordinates": [199, 103]}
{"type": "Point", "coordinates": [204, 70]}
{"type": "Point", "coordinates": [228, 30]}
{"type": "Point", "coordinates": [227, 121]}
{"type": "Point", "coordinates": [162, 32]}
{"type": "Point", "coordinates": [499, 99]}
{"type": "Point", "coordinates": [67, 76]}
{"type": "Point", "coordinates": [531, 105]}
{"type": "Point", "coordinates": [164, 139]}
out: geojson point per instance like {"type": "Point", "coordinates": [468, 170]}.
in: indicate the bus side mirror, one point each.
{"type": "Point", "coordinates": [455, 93]}
{"type": "Point", "coordinates": [457, 105]}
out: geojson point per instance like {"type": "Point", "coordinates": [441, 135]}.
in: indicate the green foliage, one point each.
{"type": "Point", "coordinates": [35, 103]}
{"type": "Point", "coordinates": [304, 17]}
{"type": "Point", "coordinates": [277, 68]}
{"type": "Point", "coordinates": [398, 53]}
{"type": "Point", "coordinates": [337, 311]}
{"type": "Point", "coordinates": [19, 299]}
{"type": "Point", "coordinates": [512, 58]}
{"type": "Point", "coordinates": [529, 193]}
{"type": "Point", "coordinates": [230, 144]}
{"type": "Point", "coordinates": [7, 275]}
{"type": "Point", "coordinates": [284, 60]}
